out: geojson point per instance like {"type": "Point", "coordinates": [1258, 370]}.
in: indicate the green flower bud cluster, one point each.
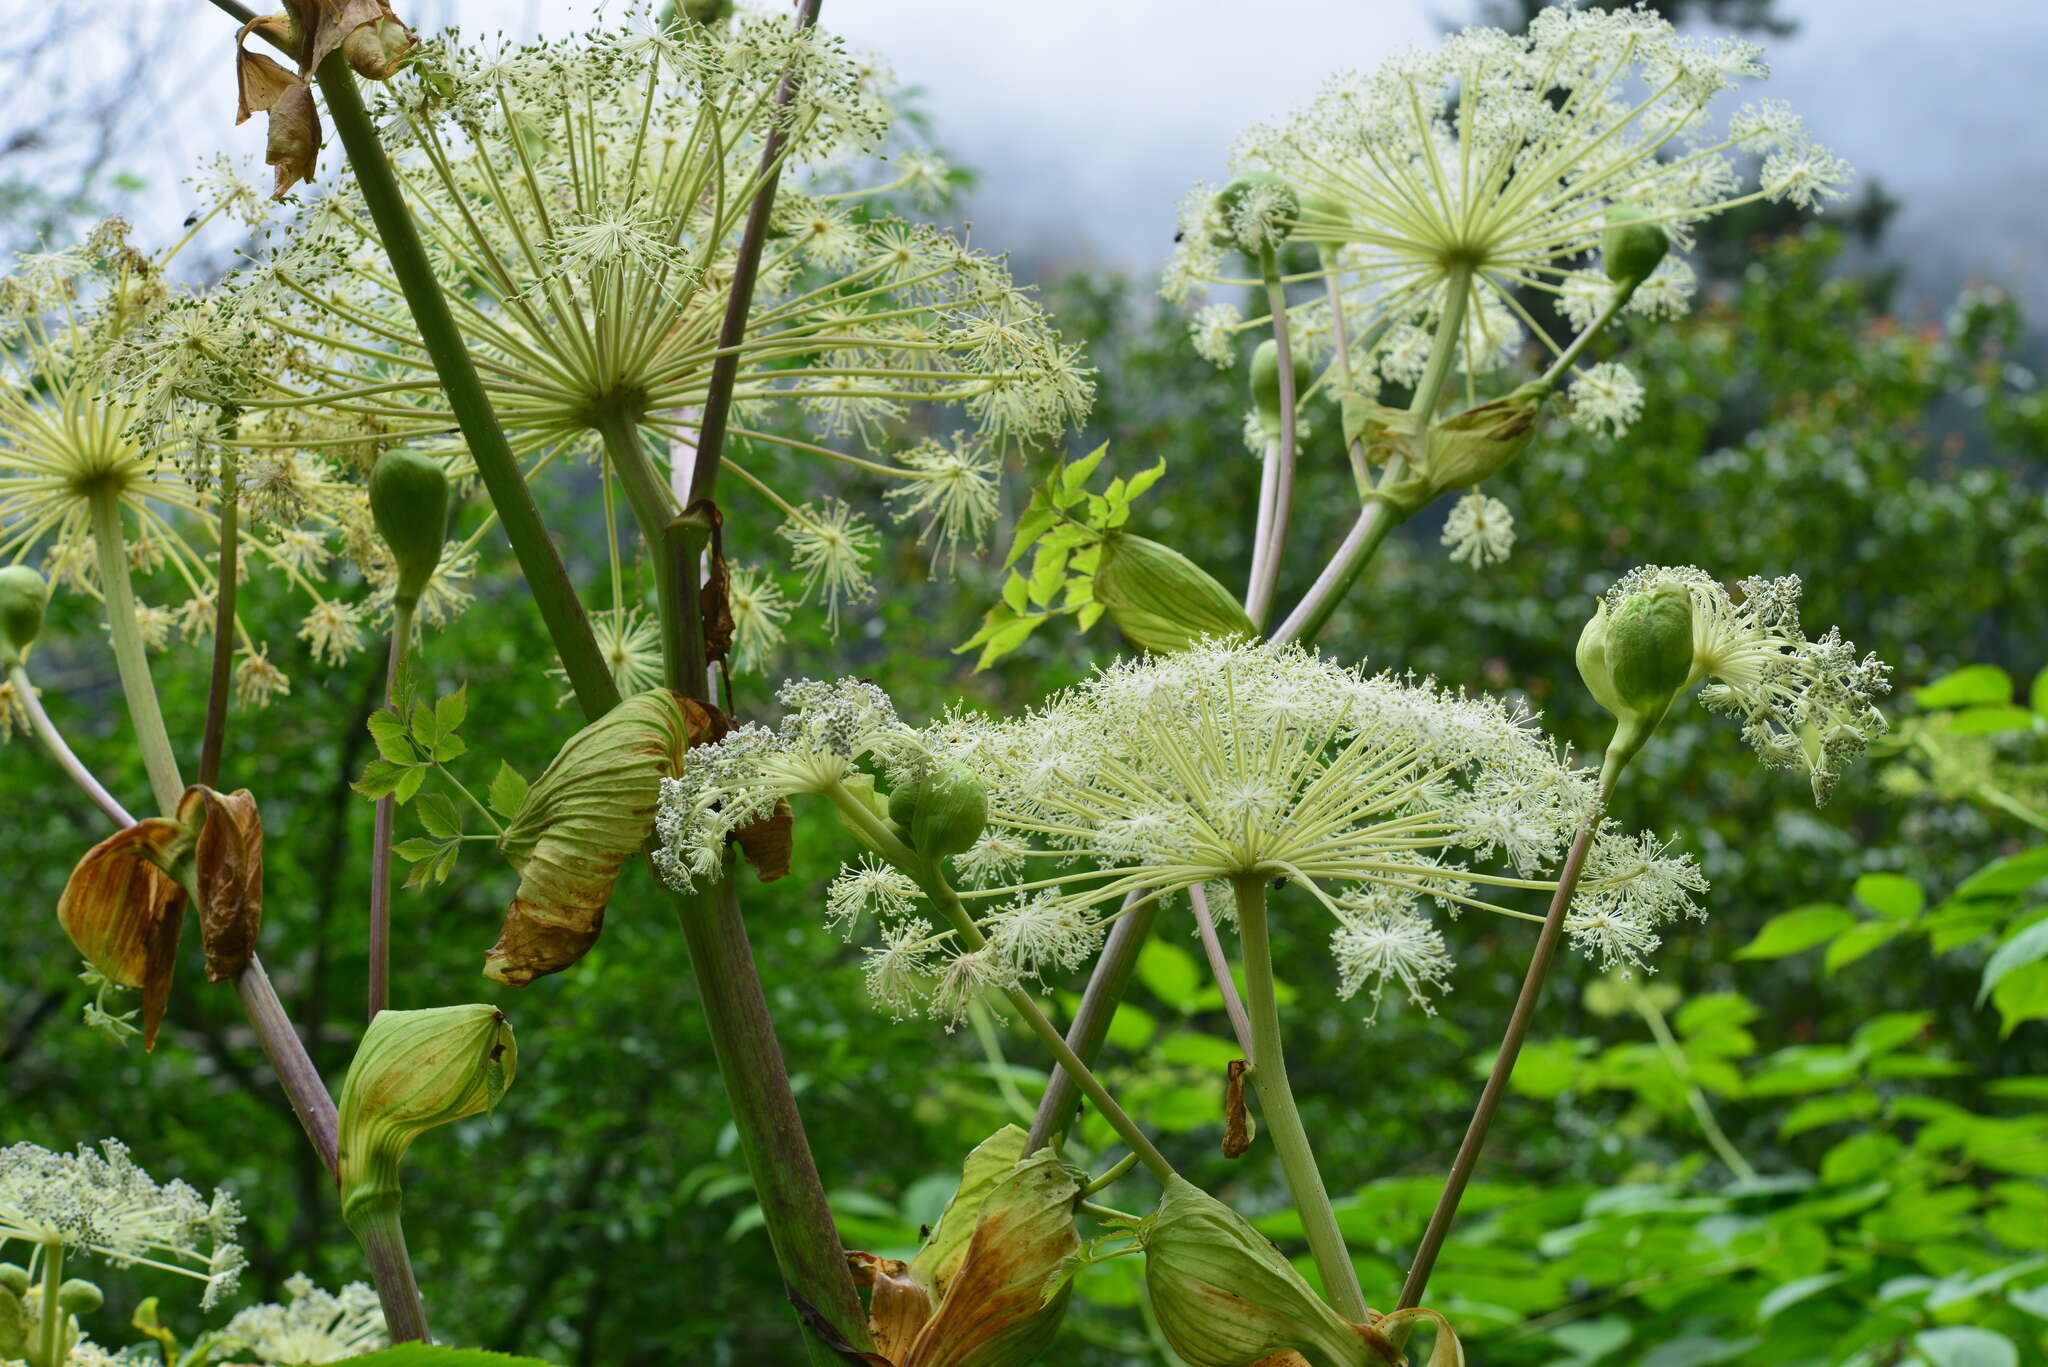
{"type": "Point", "coordinates": [1163, 601]}
{"type": "Point", "coordinates": [1254, 209]}
{"type": "Point", "coordinates": [1637, 659]}
{"type": "Point", "coordinates": [1265, 379]}
{"type": "Point", "coordinates": [415, 1070]}
{"type": "Point", "coordinates": [409, 503]}
{"type": "Point", "coordinates": [23, 595]}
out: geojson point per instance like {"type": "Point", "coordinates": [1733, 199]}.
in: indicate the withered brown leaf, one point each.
{"type": "Point", "coordinates": [229, 862]}
{"type": "Point", "coordinates": [123, 912]}
{"type": "Point", "coordinates": [1237, 1121]}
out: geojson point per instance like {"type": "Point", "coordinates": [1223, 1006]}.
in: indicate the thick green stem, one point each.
{"type": "Point", "coordinates": [378, 1229]}
{"type": "Point", "coordinates": [1283, 1119]}
{"type": "Point", "coordinates": [1380, 516]}
{"type": "Point", "coordinates": [1490, 1096]}
{"type": "Point", "coordinates": [131, 657]}
{"type": "Point", "coordinates": [50, 1328]}
{"type": "Point", "coordinates": [402, 611]}
{"type": "Point", "coordinates": [541, 563]}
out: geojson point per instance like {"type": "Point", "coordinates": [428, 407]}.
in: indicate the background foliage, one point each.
{"type": "Point", "coordinates": [1817, 1133]}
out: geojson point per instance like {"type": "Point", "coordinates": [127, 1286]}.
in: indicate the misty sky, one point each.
{"type": "Point", "coordinates": [1088, 119]}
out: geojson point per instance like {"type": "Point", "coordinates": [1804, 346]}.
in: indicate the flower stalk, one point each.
{"type": "Point", "coordinates": [1283, 1118]}
{"type": "Point", "coordinates": [1090, 1026]}
{"type": "Point", "coordinates": [219, 682]}
{"type": "Point", "coordinates": [130, 654]}
{"type": "Point", "coordinates": [1276, 489]}
{"type": "Point", "coordinates": [402, 612]}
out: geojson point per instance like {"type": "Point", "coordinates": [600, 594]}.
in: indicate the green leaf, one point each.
{"type": "Point", "coordinates": [508, 790]}
{"type": "Point", "coordinates": [389, 733]}
{"type": "Point", "coordinates": [1170, 972]}
{"type": "Point", "coordinates": [1858, 1157]}
{"type": "Point", "coordinates": [1795, 931]}
{"type": "Point", "coordinates": [408, 784]}
{"type": "Point", "coordinates": [424, 727]}
{"type": "Point", "coordinates": [1969, 686]}
{"type": "Point", "coordinates": [380, 776]}
{"type": "Point", "coordinates": [2021, 996]}
{"type": "Point", "coordinates": [1882, 1034]}
{"type": "Point", "coordinates": [1815, 1112]}
{"type": "Point", "coordinates": [2038, 694]}
{"type": "Point", "coordinates": [2016, 873]}
{"type": "Point", "coordinates": [1075, 476]}
{"type": "Point", "coordinates": [1145, 479]}
{"type": "Point", "coordinates": [450, 746]}
{"type": "Point", "coordinates": [451, 709]}
{"type": "Point", "coordinates": [1014, 594]}
{"type": "Point", "coordinates": [1993, 721]}
{"type": "Point", "coordinates": [1791, 1293]}
{"type": "Point", "coordinates": [1714, 1011]}
{"type": "Point", "coordinates": [421, 1355]}
{"type": "Point", "coordinates": [1890, 895]}
{"type": "Point", "coordinates": [1032, 525]}
{"type": "Point", "coordinates": [2029, 946]}
{"type": "Point", "coordinates": [1859, 940]}
{"type": "Point", "coordinates": [437, 813]}
{"type": "Point", "coordinates": [417, 848]}
{"type": "Point", "coordinates": [1966, 1346]}
{"type": "Point", "coordinates": [1048, 572]}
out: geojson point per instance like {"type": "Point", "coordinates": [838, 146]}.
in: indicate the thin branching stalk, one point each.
{"type": "Point", "coordinates": [1219, 965]}
{"type": "Point", "coordinates": [1276, 488]}
{"type": "Point", "coordinates": [402, 611]}
{"type": "Point", "coordinates": [131, 655]}
{"type": "Point", "coordinates": [53, 741]}
{"type": "Point", "coordinates": [1090, 1026]}
{"type": "Point", "coordinates": [1379, 516]}
{"type": "Point", "coordinates": [1540, 960]}
{"type": "Point", "coordinates": [1283, 1118]}
{"type": "Point", "coordinates": [220, 682]}
{"type": "Point", "coordinates": [1695, 1096]}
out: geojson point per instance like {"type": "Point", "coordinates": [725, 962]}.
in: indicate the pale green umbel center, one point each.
{"type": "Point", "coordinates": [584, 203]}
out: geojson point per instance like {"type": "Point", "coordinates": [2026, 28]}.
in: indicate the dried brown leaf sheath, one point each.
{"type": "Point", "coordinates": [581, 820]}
{"type": "Point", "coordinates": [229, 862]}
{"type": "Point", "coordinates": [123, 913]}
{"type": "Point", "coordinates": [1237, 1121]}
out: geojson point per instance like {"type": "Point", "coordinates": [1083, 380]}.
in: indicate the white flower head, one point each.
{"type": "Point", "coordinates": [101, 1203]}
{"type": "Point", "coordinates": [1381, 938]}
{"type": "Point", "coordinates": [1606, 398]}
{"type": "Point", "coordinates": [1479, 530]}
{"type": "Point", "coordinates": [312, 1325]}
{"type": "Point", "coordinates": [1803, 703]}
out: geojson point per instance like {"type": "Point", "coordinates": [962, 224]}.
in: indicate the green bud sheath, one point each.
{"type": "Point", "coordinates": [1631, 247]}
{"type": "Point", "coordinates": [1636, 658]}
{"type": "Point", "coordinates": [409, 502]}
{"type": "Point", "coordinates": [1266, 385]}
{"type": "Point", "coordinates": [1225, 1296]}
{"type": "Point", "coordinates": [14, 1277]}
{"type": "Point", "coordinates": [79, 1297]}
{"type": "Point", "coordinates": [1162, 600]}
{"type": "Point", "coordinates": [415, 1070]}
{"type": "Point", "coordinates": [941, 813]}
{"type": "Point", "coordinates": [23, 596]}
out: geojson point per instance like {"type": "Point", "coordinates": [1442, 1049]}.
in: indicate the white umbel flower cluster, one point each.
{"type": "Point", "coordinates": [1489, 166]}
{"type": "Point", "coordinates": [101, 1203]}
{"type": "Point", "coordinates": [1479, 530]}
{"type": "Point", "coordinates": [312, 1325]}
{"type": "Point", "coordinates": [1804, 704]}
{"type": "Point", "coordinates": [1379, 796]}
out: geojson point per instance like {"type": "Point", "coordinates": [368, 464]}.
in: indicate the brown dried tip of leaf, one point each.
{"type": "Point", "coordinates": [1237, 1120]}
{"type": "Point", "coordinates": [767, 843]}
{"type": "Point", "coordinates": [897, 1306]}
{"type": "Point", "coordinates": [266, 86]}
{"type": "Point", "coordinates": [590, 811]}
{"type": "Point", "coordinates": [229, 862]}
{"type": "Point", "coordinates": [123, 913]}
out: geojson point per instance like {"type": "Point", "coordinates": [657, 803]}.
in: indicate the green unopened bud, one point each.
{"type": "Point", "coordinates": [15, 1325]}
{"type": "Point", "coordinates": [23, 596]}
{"type": "Point", "coordinates": [14, 1277]}
{"type": "Point", "coordinates": [79, 1297]}
{"type": "Point", "coordinates": [1257, 210]}
{"type": "Point", "coordinates": [378, 48]}
{"type": "Point", "coordinates": [1632, 246]}
{"type": "Point", "coordinates": [1266, 385]}
{"type": "Point", "coordinates": [413, 1071]}
{"type": "Point", "coordinates": [409, 501]}
{"type": "Point", "coordinates": [1225, 1296]}
{"type": "Point", "coordinates": [1636, 658]}
{"type": "Point", "coordinates": [1162, 600]}
{"type": "Point", "coordinates": [942, 812]}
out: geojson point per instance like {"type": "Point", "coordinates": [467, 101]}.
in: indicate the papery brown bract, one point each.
{"type": "Point", "coordinates": [124, 913]}
{"type": "Point", "coordinates": [228, 860]}
{"type": "Point", "coordinates": [590, 811]}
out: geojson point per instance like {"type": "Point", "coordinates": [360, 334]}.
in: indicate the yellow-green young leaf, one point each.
{"type": "Point", "coordinates": [1994, 720]}
{"type": "Point", "coordinates": [2021, 996]}
{"type": "Point", "coordinates": [984, 1170]}
{"type": "Point", "coordinates": [1970, 686]}
{"type": "Point", "coordinates": [2038, 694]}
{"type": "Point", "coordinates": [1891, 895]}
{"type": "Point", "coordinates": [1859, 940]}
{"type": "Point", "coordinates": [508, 790]}
{"type": "Point", "coordinates": [581, 819]}
{"type": "Point", "coordinates": [1795, 931]}
{"type": "Point", "coordinates": [2030, 945]}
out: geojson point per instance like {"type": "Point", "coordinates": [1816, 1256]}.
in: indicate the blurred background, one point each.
{"type": "Point", "coordinates": [1816, 1135]}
